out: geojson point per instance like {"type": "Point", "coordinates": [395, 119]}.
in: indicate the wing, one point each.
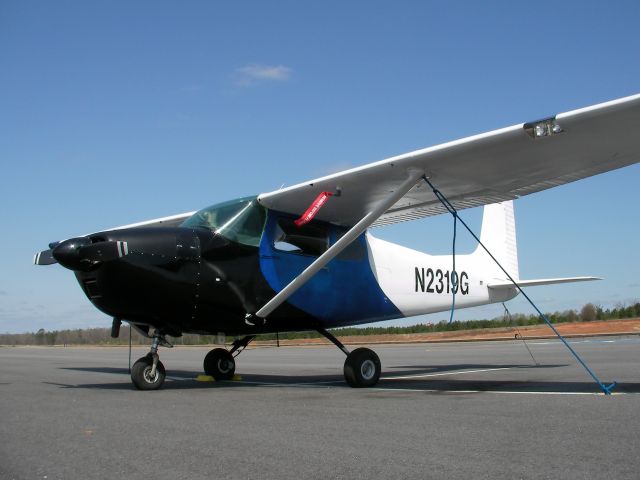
{"type": "Point", "coordinates": [171, 221]}
{"type": "Point", "coordinates": [492, 167]}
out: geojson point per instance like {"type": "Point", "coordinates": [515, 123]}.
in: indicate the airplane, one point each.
{"type": "Point", "coordinates": [302, 258]}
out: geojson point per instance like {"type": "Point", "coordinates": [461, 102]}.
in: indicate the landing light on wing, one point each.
{"type": "Point", "coordinates": [543, 128]}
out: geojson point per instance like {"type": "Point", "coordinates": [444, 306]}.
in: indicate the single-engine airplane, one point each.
{"type": "Point", "coordinates": [301, 258]}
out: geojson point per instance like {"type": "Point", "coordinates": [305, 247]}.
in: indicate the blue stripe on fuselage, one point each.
{"type": "Point", "coordinates": [345, 292]}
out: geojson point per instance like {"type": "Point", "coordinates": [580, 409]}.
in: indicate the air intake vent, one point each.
{"type": "Point", "coordinates": [92, 289]}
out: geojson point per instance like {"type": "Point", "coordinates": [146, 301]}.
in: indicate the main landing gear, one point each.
{"type": "Point", "coordinates": [220, 363]}
{"type": "Point", "coordinates": [148, 372]}
{"type": "Point", "coordinates": [362, 367]}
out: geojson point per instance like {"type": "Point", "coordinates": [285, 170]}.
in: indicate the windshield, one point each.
{"type": "Point", "coordinates": [241, 220]}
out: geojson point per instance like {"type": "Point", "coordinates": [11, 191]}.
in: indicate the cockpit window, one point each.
{"type": "Point", "coordinates": [240, 220]}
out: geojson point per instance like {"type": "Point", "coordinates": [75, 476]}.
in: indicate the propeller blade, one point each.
{"type": "Point", "coordinates": [44, 257]}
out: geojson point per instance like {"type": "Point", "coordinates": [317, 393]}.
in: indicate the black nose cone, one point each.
{"type": "Point", "coordinates": [68, 253]}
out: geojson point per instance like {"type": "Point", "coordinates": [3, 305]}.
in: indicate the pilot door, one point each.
{"type": "Point", "coordinates": [286, 250]}
{"type": "Point", "coordinates": [334, 294]}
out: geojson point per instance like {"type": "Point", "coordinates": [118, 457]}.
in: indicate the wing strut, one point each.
{"type": "Point", "coordinates": [413, 177]}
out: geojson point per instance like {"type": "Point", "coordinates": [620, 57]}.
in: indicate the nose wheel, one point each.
{"type": "Point", "coordinates": [148, 372]}
{"type": "Point", "coordinates": [147, 376]}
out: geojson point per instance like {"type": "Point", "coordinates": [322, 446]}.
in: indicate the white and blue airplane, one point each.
{"type": "Point", "coordinates": [302, 258]}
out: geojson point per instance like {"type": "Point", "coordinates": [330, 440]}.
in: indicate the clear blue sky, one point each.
{"type": "Point", "coordinates": [117, 112]}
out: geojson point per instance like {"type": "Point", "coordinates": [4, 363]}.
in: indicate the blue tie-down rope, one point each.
{"type": "Point", "coordinates": [606, 389]}
{"type": "Point", "coordinates": [454, 274]}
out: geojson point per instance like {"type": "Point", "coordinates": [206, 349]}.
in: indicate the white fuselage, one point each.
{"type": "Point", "coordinates": [418, 283]}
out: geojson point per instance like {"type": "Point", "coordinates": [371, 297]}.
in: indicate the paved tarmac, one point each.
{"type": "Point", "coordinates": [477, 410]}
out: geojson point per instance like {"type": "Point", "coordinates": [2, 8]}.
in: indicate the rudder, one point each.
{"type": "Point", "coordinates": [498, 235]}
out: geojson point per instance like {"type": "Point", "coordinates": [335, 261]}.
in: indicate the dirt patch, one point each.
{"type": "Point", "coordinates": [608, 327]}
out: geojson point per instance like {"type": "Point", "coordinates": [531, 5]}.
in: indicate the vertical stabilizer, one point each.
{"type": "Point", "coordinates": [498, 234]}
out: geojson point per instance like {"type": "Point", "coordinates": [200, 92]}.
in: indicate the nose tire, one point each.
{"type": "Point", "coordinates": [141, 374]}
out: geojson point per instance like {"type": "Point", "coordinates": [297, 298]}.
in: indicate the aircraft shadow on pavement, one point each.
{"type": "Point", "coordinates": [407, 370]}
{"type": "Point", "coordinates": [456, 386]}
{"type": "Point", "coordinates": [124, 371]}
{"type": "Point", "coordinates": [419, 379]}
{"type": "Point", "coordinates": [280, 378]}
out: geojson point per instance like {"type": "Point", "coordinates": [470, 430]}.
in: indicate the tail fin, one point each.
{"type": "Point", "coordinates": [498, 234]}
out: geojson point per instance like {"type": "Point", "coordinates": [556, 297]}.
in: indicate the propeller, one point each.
{"type": "Point", "coordinates": [80, 253]}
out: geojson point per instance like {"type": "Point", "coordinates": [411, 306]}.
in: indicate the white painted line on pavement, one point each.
{"type": "Point", "coordinates": [441, 374]}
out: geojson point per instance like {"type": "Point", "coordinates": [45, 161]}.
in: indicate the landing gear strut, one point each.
{"type": "Point", "coordinates": [148, 372]}
{"type": "Point", "coordinates": [362, 367]}
{"type": "Point", "coordinates": [220, 363]}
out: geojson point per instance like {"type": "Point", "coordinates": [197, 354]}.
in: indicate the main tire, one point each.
{"type": "Point", "coordinates": [362, 368]}
{"type": "Point", "coordinates": [219, 364]}
{"type": "Point", "coordinates": [141, 374]}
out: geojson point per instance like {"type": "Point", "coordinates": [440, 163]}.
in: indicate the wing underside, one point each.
{"type": "Point", "coordinates": [501, 165]}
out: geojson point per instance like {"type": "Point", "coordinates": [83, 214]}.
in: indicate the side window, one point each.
{"type": "Point", "coordinates": [355, 251]}
{"type": "Point", "coordinates": [308, 239]}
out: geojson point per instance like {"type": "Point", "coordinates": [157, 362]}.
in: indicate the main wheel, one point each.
{"type": "Point", "coordinates": [219, 363]}
{"type": "Point", "coordinates": [362, 368]}
{"type": "Point", "coordinates": [141, 374]}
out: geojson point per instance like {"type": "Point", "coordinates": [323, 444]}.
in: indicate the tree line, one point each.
{"type": "Point", "coordinates": [102, 336]}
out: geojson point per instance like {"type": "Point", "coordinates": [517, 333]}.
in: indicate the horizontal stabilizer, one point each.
{"type": "Point", "coordinates": [44, 258]}
{"type": "Point", "coordinates": [541, 281]}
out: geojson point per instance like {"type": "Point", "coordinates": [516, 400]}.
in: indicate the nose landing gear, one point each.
{"type": "Point", "coordinates": [148, 372]}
